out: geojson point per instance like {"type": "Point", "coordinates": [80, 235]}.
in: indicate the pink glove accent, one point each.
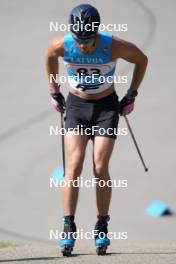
{"type": "Point", "coordinates": [127, 109]}
{"type": "Point", "coordinates": [57, 106]}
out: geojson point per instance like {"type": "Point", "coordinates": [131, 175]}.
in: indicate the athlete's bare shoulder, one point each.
{"type": "Point", "coordinates": [125, 50]}
{"type": "Point", "coordinates": [119, 46]}
{"type": "Point", "coordinates": [56, 48]}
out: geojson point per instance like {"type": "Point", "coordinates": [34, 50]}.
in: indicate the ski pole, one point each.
{"type": "Point", "coordinates": [135, 143]}
{"type": "Point", "coordinates": [63, 143]}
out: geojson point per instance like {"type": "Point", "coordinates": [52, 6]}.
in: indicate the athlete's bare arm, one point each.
{"type": "Point", "coordinates": [129, 52]}
{"type": "Point", "coordinates": [55, 50]}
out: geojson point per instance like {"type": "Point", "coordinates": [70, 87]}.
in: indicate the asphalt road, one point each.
{"type": "Point", "coordinates": [29, 208]}
{"type": "Point", "coordinates": [128, 254]}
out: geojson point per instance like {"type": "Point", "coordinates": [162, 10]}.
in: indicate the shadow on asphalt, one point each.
{"type": "Point", "coordinates": [88, 254]}
{"type": "Point", "coordinates": [30, 259]}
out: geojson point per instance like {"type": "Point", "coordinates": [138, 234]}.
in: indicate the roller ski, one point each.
{"type": "Point", "coordinates": [101, 240]}
{"type": "Point", "coordinates": [68, 239]}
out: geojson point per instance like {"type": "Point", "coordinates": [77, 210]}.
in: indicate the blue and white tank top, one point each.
{"type": "Point", "coordinates": [89, 73]}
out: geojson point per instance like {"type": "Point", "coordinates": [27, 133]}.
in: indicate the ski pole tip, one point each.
{"type": "Point", "coordinates": [146, 169]}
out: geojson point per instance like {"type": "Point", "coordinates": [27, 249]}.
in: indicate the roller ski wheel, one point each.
{"type": "Point", "coordinates": [66, 247]}
{"type": "Point", "coordinates": [101, 246]}
{"type": "Point", "coordinates": [101, 250]}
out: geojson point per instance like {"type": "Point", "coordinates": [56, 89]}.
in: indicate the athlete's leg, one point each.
{"type": "Point", "coordinates": [75, 153]}
{"type": "Point", "coordinates": [102, 149]}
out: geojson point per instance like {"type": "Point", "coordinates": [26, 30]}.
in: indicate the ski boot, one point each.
{"type": "Point", "coordinates": [101, 239]}
{"type": "Point", "coordinates": [67, 242]}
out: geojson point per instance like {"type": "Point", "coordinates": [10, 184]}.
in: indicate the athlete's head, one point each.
{"type": "Point", "coordinates": [84, 21]}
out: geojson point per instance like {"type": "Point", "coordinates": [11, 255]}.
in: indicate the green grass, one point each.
{"type": "Point", "coordinates": [6, 244]}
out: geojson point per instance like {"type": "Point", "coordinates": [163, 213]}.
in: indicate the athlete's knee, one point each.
{"type": "Point", "coordinates": [101, 171]}
{"type": "Point", "coordinates": [74, 170]}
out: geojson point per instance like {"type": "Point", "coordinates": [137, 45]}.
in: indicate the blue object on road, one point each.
{"type": "Point", "coordinates": [157, 209]}
{"type": "Point", "coordinates": [58, 175]}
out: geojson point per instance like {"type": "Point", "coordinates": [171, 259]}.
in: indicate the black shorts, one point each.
{"type": "Point", "coordinates": [92, 117]}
